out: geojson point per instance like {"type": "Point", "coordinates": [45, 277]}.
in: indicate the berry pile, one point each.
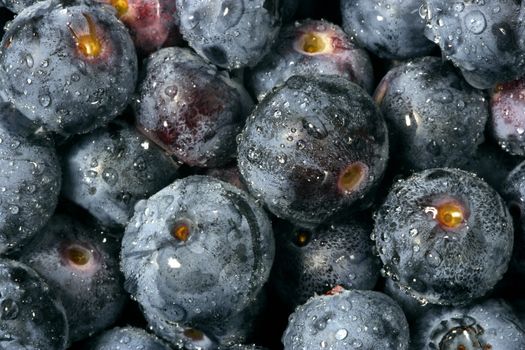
{"type": "Point", "coordinates": [262, 174]}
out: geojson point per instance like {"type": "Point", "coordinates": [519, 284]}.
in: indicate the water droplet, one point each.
{"type": "Point", "coordinates": [171, 91]}
{"type": "Point", "coordinates": [433, 258]}
{"type": "Point", "coordinates": [110, 176]}
{"type": "Point", "coordinates": [13, 209]}
{"type": "Point", "coordinates": [8, 309]}
{"type": "Point", "coordinates": [29, 60]}
{"type": "Point", "coordinates": [341, 334]}
{"type": "Point", "coordinates": [75, 77]}
{"type": "Point", "coordinates": [459, 6]}
{"type": "Point", "coordinates": [357, 344]}
{"type": "Point", "coordinates": [44, 100]}
{"type": "Point", "coordinates": [281, 158]}
{"type": "Point", "coordinates": [475, 22]}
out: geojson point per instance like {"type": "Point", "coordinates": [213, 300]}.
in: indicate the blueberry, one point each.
{"type": "Point", "coordinates": [314, 146]}
{"type": "Point", "coordinates": [230, 33]}
{"type": "Point", "coordinates": [434, 117]}
{"type": "Point", "coordinates": [152, 24]}
{"type": "Point", "coordinates": [444, 236]}
{"type": "Point", "coordinates": [29, 179]}
{"type": "Point", "coordinates": [485, 326]}
{"type": "Point", "coordinates": [70, 66]}
{"type": "Point", "coordinates": [390, 29]}
{"type": "Point", "coordinates": [482, 38]}
{"type": "Point", "coordinates": [507, 123]}
{"type": "Point", "coordinates": [32, 317]}
{"type": "Point", "coordinates": [195, 256]}
{"type": "Point", "coordinates": [310, 262]}
{"type": "Point", "coordinates": [17, 6]}
{"type": "Point", "coordinates": [110, 169]}
{"type": "Point", "coordinates": [79, 261]}
{"type": "Point", "coordinates": [311, 48]}
{"type": "Point", "coordinates": [349, 320]}
{"type": "Point", "coordinates": [190, 108]}
{"type": "Point", "coordinates": [126, 338]}
{"type": "Point", "coordinates": [514, 193]}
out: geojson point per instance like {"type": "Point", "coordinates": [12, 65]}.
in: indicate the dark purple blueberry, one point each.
{"type": "Point", "coordinates": [31, 315]}
{"type": "Point", "coordinates": [69, 66]}
{"type": "Point", "coordinates": [195, 256]}
{"type": "Point", "coordinates": [434, 117]}
{"type": "Point", "coordinates": [310, 262]}
{"type": "Point", "coordinates": [352, 319]}
{"type": "Point", "coordinates": [311, 48]}
{"type": "Point", "coordinates": [111, 169]}
{"type": "Point", "coordinates": [482, 38]}
{"type": "Point", "coordinates": [390, 29]}
{"type": "Point", "coordinates": [190, 108]}
{"type": "Point", "coordinates": [127, 338]}
{"type": "Point", "coordinates": [152, 23]}
{"type": "Point", "coordinates": [490, 325]}
{"type": "Point", "coordinates": [507, 123]}
{"type": "Point", "coordinates": [230, 34]}
{"type": "Point", "coordinates": [314, 146]}
{"type": "Point", "coordinates": [80, 263]}
{"type": "Point", "coordinates": [444, 236]}
{"type": "Point", "coordinates": [29, 179]}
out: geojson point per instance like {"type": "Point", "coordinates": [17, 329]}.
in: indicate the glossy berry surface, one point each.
{"type": "Point", "coordinates": [311, 48]}
{"type": "Point", "coordinates": [230, 33]}
{"type": "Point", "coordinates": [79, 262]}
{"type": "Point", "coordinates": [29, 179]}
{"type": "Point", "coordinates": [70, 68]}
{"type": "Point", "coordinates": [351, 319]}
{"type": "Point", "coordinates": [190, 108]}
{"type": "Point", "coordinates": [126, 338]}
{"type": "Point", "coordinates": [482, 38]}
{"type": "Point", "coordinates": [507, 122]}
{"type": "Point", "coordinates": [313, 147]}
{"type": "Point", "coordinates": [390, 29]}
{"type": "Point", "coordinates": [109, 170]}
{"type": "Point", "coordinates": [444, 236]}
{"type": "Point", "coordinates": [312, 262]}
{"type": "Point", "coordinates": [490, 325]}
{"type": "Point", "coordinates": [195, 255]}
{"type": "Point", "coordinates": [434, 117]}
{"type": "Point", "coordinates": [33, 317]}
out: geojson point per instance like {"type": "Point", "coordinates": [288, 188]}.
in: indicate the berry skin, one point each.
{"type": "Point", "coordinates": [311, 48]}
{"type": "Point", "coordinates": [310, 262]}
{"type": "Point", "coordinates": [109, 170]}
{"type": "Point", "coordinates": [390, 29]}
{"type": "Point", "coordinates": [507, 122]}
{"type": "Point", "coordinates": [190, 108]}
{"type": "Point", "coordinates": [490, 325]}
{"type": "Point", "coordinates": [314, 146]}
{"type": "Point", "coordinates": [231, 34]}
{"type": "Point", "coordinates": [195, 256]}
{"type": "Point", "coordinates": [482, 38]}
{"type": "Point", "coordinates": [126, 338]}
{"type": "Point", "coordinates": [444, 236]}
{"type": "Point", "coordinates": [79, 261]}
{"type": "Point", "coordinates": [69, 67]}
{"type": "Point", "coordinates": [434, 117]}
{"type": "Point", "coordinates": [29, 179]}
{"type": "Point", "coordinates": [33, 318]}
{"type": "Point", "coordinates": [350, 319]}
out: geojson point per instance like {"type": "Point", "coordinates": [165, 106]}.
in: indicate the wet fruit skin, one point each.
{"type": "Point", "coordinates": [110, 169]}
{"type": "Point", "coordinates": [390, 29]}
{"type": "Point", "coordinates": [311, 48]}
{"type": "Point", "coordinates": [190, 108]}
{"type": "Point", "coordinates": [79, 261]}
{"type": "Point", "coordinates": [444, 236]}
{"type": "Point", "coordinates": [434, 117]}
{"type": "Point", "coordinates": [313, 147]}
{"type": "Point", "coordinates": [312, 262]}
{"type": "Point", "coordinates": [30, 179]}
{"type": "Point", "coordinates": [231, 34]}
{"type": "Point", "coordinates": [79, 65]}
{"type": "Point", "coordinates": [346, 320]}
{"type": "Point", "coordinates": [131, 337]}
{"type": "Point", "coordinates": [38, 324]}
{"type": "Point", "coordinates": [482, 38]}
{"type": "Point", "coordinates": [489, 325]}
{"type": "Point", "coordinates": [212, 275]}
